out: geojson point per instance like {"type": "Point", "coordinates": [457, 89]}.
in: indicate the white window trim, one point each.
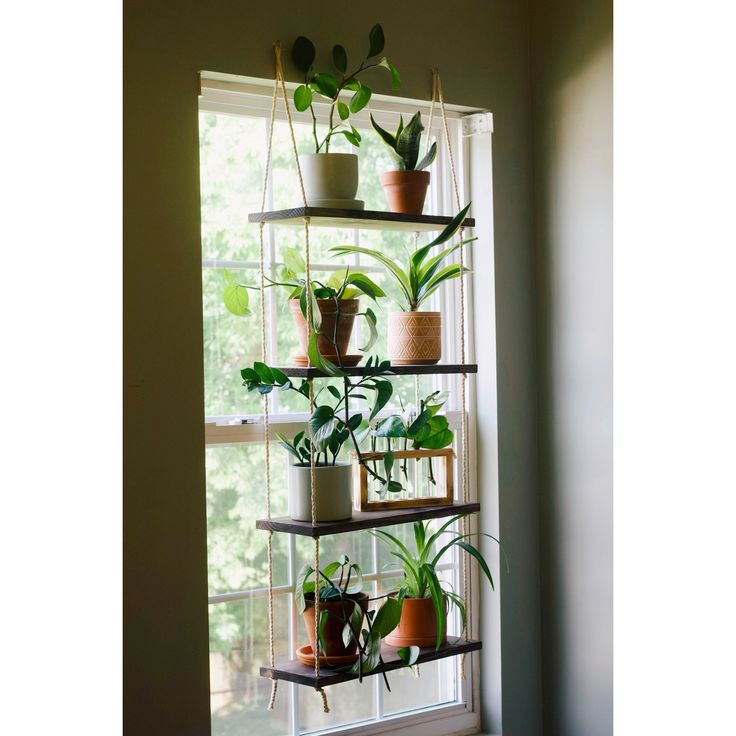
{"type": "Point", "coordinates": [225, 94]}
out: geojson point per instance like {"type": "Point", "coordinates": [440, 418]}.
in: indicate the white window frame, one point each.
{"type": "Point", "coordinates": [228, 94]}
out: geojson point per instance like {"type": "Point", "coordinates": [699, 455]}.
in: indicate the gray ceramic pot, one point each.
{"type": "Point", "coordinates": [331, 180]}
{"type": "Point", "coordinates": [334, 499]}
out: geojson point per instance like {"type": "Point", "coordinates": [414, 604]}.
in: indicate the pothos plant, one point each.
{"type": "Point", "coordinates": [331, 87]}
{"type": "Point", "coordinates": [342, 582]}
{"type": "Point", "coordinates": [292, 275]}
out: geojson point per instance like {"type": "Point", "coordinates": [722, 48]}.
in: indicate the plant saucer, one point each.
{"type": "Point", "coordinates": [347, 360]}
{"type": "Point", "coordinates": [306, 656]}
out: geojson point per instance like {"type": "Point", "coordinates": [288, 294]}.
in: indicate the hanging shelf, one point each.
{"type": "Point", "coordinates": [294, 371]}
{"type": "Point", "coordinates": [364, 520]}
{"type": "Point", "coordinates": [294, 671]}
{"type": "Point", "coordinates": [362, 219]}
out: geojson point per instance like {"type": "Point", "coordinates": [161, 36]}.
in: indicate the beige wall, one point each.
{"type": "Point", "coordinates": [572, 134]}
{"type": "Point", "coordinates": [482, 51]}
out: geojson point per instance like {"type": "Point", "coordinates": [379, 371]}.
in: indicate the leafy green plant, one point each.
{"type": "Point", "coordinates": [405, 143]}
{"type": "Point", "coordinates": [366, 628]}
{"type": "Point", "coordinates": [331, 88]}
{"type": "Point", "coordinates": [420, 574]}
{"type": "Point", "coordinates": [343, 284]}
{"type": "Point", "coordinates": [422, 275]}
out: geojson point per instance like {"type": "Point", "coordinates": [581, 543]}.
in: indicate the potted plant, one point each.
{"type": "Point", "coordinates": [335, 305]}
{"type": "Point", "coordinates": [406, 187]}
{"type": "Point", "coordinates": [330, 426]}
{"type": "Point", "coordinates": [423, 619]}
{"type": "Point", "coordinates": [349, 635]}
{"type": "Point", "coordinates": [331, 179]}
{"type": "Point", "coordinates": [415, 337]}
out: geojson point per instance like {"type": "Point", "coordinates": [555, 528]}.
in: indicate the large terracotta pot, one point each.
{"type": "Point", "coordinates": [414, 338]}
{"type": "Point", "coordinates": [348, 309]}
{"type": "Point", "coordinates": [336, 620]}
{"type": "Point", "coordinates": [418, 625]}
{"type": "Point", "coordinates": [334, 499]}
{"type": "Point", "coordinates": [405, 190]}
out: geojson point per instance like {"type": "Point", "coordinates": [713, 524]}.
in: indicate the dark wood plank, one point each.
{"type": "Point", "coordinates": [363, 219]}
{"type": "Point", "coordinates": [295, 671]}
{"type": "Point", "coordinates": [364, 520]}
{"type": "Point", "coordinates": [295, 371]}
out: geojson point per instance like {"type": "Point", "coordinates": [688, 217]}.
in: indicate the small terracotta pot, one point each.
{"type": "Point", "coordinates": [414, 338]}
{"type": "Point", "coordinates": [348, 309]}
{"type": "Point", "coordinates": [417, 625]}
{"type": "Point", "coordinates": [405, 190]}
{"type": "Point", "coordinates": [336, 620]}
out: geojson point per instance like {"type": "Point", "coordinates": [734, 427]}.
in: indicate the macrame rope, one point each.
{"type": "Point", "coordinates": [280, 77]}
{"type": "Point", "coordinates": [437, 85]}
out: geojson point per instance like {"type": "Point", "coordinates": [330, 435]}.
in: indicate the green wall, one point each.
{"type": "Point", "coordinates": [482, 52]}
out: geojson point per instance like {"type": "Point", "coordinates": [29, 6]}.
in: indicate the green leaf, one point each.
{"type": "Point", "coordinates": [350, 137]}
{"type": "Point", "coordinates": [303, 53]}
{"type": "Point", "coordinates": [385, 136]}
{"type": "Point", "coordinates": [293, 260]}
{"type": "Point", "coordinates": [360, 99]}
{"type": "Point", "coordinates": [333, 390]}
{"type": "Point", "coordinates": [451, 228]}
{"type": "Point", "coordinates": [279, 377]}
{"type": "Point", "coordinates": [408, 655]}
{"type": "Point", "coordinates": [376, 41]}
{"type": "Point", "coordinates": [370, 318]}
{"type": "Point", "coordinates": [369, 287]}
{"type": "Point", "coordinates": [384, 389]}
{"type": "Point", "coordinates": [326, 84]}
{"type": "Point", "coordinates": [392, 426]}
{"type": "Point", "coordinates": [428, 158]}
{"type": "Point", "coordinates": [362, 431]}
{"type": "Point", "coordinates": [299, 588]}
{"type": "Point", "coordinates": [316, 313]}
{"type": "Point", "coordinates": [353, 624]}
{"type": "Point", "coordinates": [407, 144]}
{"type": "Point", "coordinates": [395, 78]}
{"type": "Point", "coordinates": [481, 560]}
{"type": "Point", "coordinates": [438, 600]}
{"type": "Point", "coordinates": [302, 97]}
{"type": "Point", "coordinates": [236, 299]}
{"type": "Point", "coordinates": [264, 372]}
{"type": "Point", "coordinates": [342, 110]}
{"type": "Point", "coordinates": [322, 424]}
{"type": "Point", "coordinates": [319, 361]}
{"type": "Point", "coordinates": [388, 464]}
{"type": "Point", "coordinates": [387, 618]}
{"type": "Point", "coordinates": [418, 424]}
{"type": "Point", "coordinates": [321, 630]}
{"type": "Point", "coordinates": [340, 58]}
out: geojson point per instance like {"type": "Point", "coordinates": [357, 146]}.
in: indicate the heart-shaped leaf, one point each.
{"type": "Point", "coordinates": [360, 99]}
{"type": "Point", "coordinates": [342, 110]}
{"type": "Point", "coordinates": [303, 53]}
{"type": "Point", "coordinates": [340, 58]}
{"type": "Point", "coordinates": [236, 299]}
{"type": "Point", "coordinates": [376, 41]}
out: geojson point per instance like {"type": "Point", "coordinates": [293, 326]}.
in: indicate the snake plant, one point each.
{"type": "Point", "coordinates": [405, 143]}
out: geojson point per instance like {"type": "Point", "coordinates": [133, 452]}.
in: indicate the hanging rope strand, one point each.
{"type": "Point", "coordinates": [280, 77]}
{"type": "Point", "coordinates": [463, 376]}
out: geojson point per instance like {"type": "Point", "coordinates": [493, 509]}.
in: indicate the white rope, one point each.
{"type": "Point", "coordinates": [280, 77]}
{"type": "Point", "coordinates": [437, 83]}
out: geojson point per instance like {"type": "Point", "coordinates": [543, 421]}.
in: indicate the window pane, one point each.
{"type": "Point", "coordinates": [238, 647]}
{"type": "Point", "coordinates": [434, 686]}
{"type": "Point", "coordinates": [236, 497]}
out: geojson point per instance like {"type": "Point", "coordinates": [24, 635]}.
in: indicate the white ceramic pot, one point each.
{"type": "Point", "coordinates": [414, 338]}
{"type": "Point", "coordinates": [334, 498]}
{"type": "Point", "coordinates": [331, 180]}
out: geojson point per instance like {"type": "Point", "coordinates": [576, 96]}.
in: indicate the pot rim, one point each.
{"type": "Point", "coordinates": [418, 311]}
{"type": "Point", "coordinates": [296, 300]}
{"type": "Point", "coordinates": [356, 597]}
{"type": "Point", "coordinates": [327, 153]}
{"type": "Point", "coordinates": [338, 464]}
{"type": "Point", "coordinates": [410, 172]}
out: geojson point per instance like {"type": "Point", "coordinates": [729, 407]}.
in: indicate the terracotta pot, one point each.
{"type": "Point", "coordinates": [414, 338]}
{"type": "Point", "coordinates": [405, 190]}
{"type": "Point", "coordinates": [418, 624]}
{"type": "Point", "coordinates": [336, 620]}
{"type": "Point", "coordinates": [348, 309]}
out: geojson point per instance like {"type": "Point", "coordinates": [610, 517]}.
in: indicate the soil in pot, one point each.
{"type": "Point", "coordinates": [405, 190]}
{"type": "Point", "coordinates": [415, 338]}
{"type": "Point", "coordinates": [334, 498]}
{"type": "Point", "coordinates": [418, 625]}
{"type": "Point", "coordinates": [338, 614]}
{"type": "Point", "coordinates": [327, 308]}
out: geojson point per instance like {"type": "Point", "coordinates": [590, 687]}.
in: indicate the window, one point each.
{"type": "Point", "coordinates": [233, 136]}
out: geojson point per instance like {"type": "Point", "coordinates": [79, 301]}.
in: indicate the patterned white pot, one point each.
{"type": "Point", "coordinates": [415, 338]}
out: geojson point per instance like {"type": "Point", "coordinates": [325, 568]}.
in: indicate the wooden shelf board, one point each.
{"type": "Point", "coordinates": [295, 671]}
{"type": "Point", "coordinates": [365, 520]}
{"type": "Point", "coordinates": [295, 371]}
{"type": "Point", "coordinates": [362, 219]}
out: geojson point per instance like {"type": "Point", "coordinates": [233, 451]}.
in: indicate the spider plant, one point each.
{"type": "Point", "coordinates": [422, 275]}
{"type": "Point", "coordinates": [420, 567]}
